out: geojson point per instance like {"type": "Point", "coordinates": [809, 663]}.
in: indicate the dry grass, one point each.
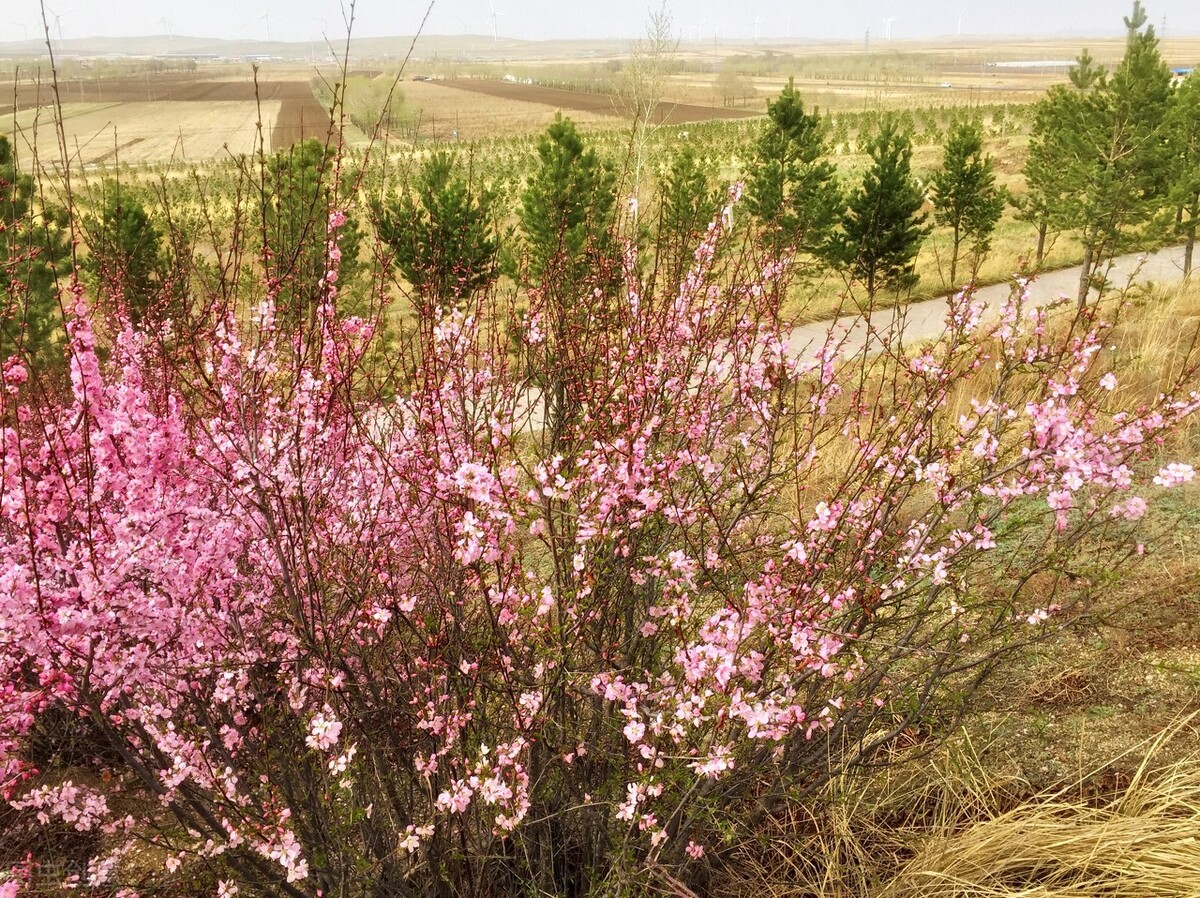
{"type": "Point", "coordinates": [1140, 842]}
{"type": "Point", "coordinates": [1160, 334]}
{"type": "Point", "coordinates": [954, 826]}
{"type": "Point", "coordinates": [1063, 781]}
{"type": "Point", "coordinates": [141, 132]}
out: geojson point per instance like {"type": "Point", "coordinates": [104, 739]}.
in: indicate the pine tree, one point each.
{"type": "Point", "coordinates": [34, 251]}
{"type": "Point", "coordinates": [883, 226]}
{"type": "Point", "coordinates": [1045, 186]}
{"type": "Point", "coordinates": [965, 196]}
{"type": "Point", "coordinates": [126, 253]}
{"type": "Point", "coordinates": [567, 215]}
{"type": "Point", "coordinates": [1183, 135]}
{"type": "Point", "coordinates": [572, 266]}
{"type": "Point", "coordinates": [298, 195]}
{"type": "Point", "coordinates": [443, 232]}
{"type": "Point", "coordinates": [1098, 159]}
{"type": "Point", "coordinates": [688, 203]}
{"type": "Point", "coordinates": [791, 188]}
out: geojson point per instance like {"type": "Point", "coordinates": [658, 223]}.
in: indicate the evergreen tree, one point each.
{"type": "Point", "coordinates": [883, 226]}
{"type": "Point", "coordinates": [1045, 185]}
{"type": "Point", "coordinates": [567, 214]}
{"type": "Point", "coordinates": [1183, 133]}
{"type": "Point", "coordinates": [688, 203]}
{"type": "Point", "coordinates": [443, 232]}
{"type": "Point", "coordinates": [1098, 158]}
{"type": "Point", "coordinates": [572, 263]}
{"type": "Point", "coordinates": [298, 195]}
{"type": "Point", "coordinates": [965, 196]}
{"type": "Point", "coordinates": [34, 250]}
{"type": "Point", "coordinates": [791, 188]}
{"type": "Point", "coordinates": [126, 253]}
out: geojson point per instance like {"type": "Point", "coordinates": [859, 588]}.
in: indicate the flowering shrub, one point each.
{"type": "Point", "coordinates": [490, 633]}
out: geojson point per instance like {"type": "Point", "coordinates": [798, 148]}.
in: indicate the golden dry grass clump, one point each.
{"type": "Point", "coordinates": [954, 828]}
{"type": "Point", "coordinates": [1142, 843]}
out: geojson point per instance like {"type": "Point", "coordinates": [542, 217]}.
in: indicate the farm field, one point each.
{"type": "Point", "coordinates": [138, 133]}
{"type": "Point", "coordinates": [477, 109]}
{"type": "Point", "coordinates": [161, 117]}
{"type": "Point", "coordinates": [438, 109]}
{"type": "Point", "coordinates": [473, 98]}
{"type": "Point", "coordinates": [667, 113]}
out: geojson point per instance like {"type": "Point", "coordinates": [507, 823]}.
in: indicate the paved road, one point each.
{"type": "Point", "coordinates": [925, 320]}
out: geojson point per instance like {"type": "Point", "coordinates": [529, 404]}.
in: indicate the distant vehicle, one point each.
{"type": "Point", "coordinates": [947, 84]}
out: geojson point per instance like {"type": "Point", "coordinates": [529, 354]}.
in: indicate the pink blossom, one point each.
{"type": "Point", "coordinates": [1174, 474]}
{"type": "Point", "coordinates": [324, 730]}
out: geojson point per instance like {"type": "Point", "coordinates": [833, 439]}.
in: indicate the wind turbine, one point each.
{"type": "Point", "coordinates": [58, 17]}
{"type": "Point", "coordinates": [312, 49]}
{"type": "Point", "coordinates": [266, 17]}
{"type": "Point", "coordinates": [757, 25]}
{"type": "Point", "coordinates": [495, 24]}
{"type": "Point", "coordinates": [961, 13]}
{"type": "Point", "coordinates": [887, 27]}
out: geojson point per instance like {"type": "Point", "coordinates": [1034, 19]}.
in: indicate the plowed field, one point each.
{"type": "Point", "coordinates": [154, 118]}
{"type": "Point", "coordinates": [599, 104]}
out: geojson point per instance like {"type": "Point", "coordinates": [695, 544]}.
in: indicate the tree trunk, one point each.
{"type": "Point", "coordinates": [954, 261]}
{"type": "Point", "coordinates": [1193, 214]}
{"type": "Point", "coordinates": [1085, 275]}
{"type": "Point", "coordinates": [1041, 247]}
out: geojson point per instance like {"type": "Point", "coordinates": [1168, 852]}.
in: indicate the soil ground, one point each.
{"type": "Point", "coordinates": [598, 103]}
{"type": "Point", "coordinates": [160, 117]}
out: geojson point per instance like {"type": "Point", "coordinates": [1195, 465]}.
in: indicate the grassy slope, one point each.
{"type": "Point", "coordinates": [1078, 772]}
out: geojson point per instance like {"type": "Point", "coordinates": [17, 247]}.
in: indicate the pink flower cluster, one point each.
{"type": "Point", "coordinates": [648, 560]}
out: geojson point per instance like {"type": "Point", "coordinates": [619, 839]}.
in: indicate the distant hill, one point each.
{"type": "Point", "coordinates": [444, 47]}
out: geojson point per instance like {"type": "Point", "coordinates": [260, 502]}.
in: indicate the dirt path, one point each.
{"type": "Point", "coordinates": [925, 320]}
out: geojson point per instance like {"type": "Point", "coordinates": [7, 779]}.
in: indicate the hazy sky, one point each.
{"type": "Point", "coordinates": [302, 20]}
